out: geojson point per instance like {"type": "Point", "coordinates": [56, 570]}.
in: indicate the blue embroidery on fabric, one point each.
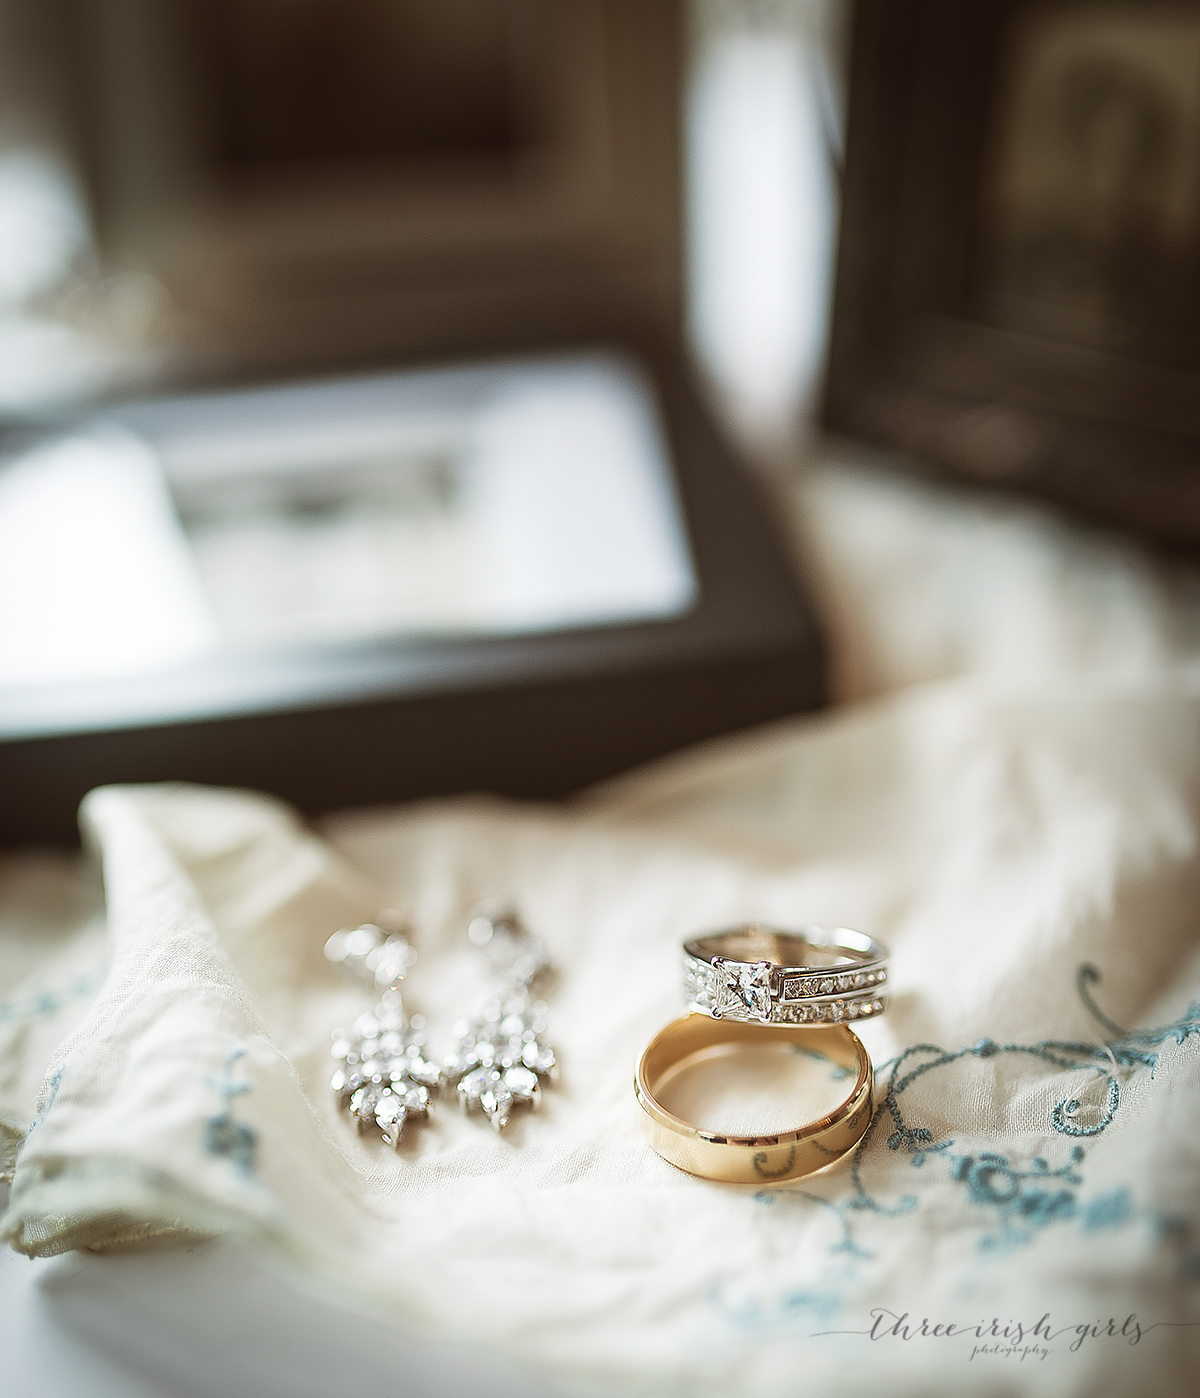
{"type": "Point", "coordinates": [837, 1071]}
{"type": "Point", "coordinates": [1020, 1197]}
{"type": "Point", "coordinates": [754, 1313]}
{"type": "Point", "coordinates": [222, 1134]}
{"type": "Point", "coordinates": [846, 1243]}
{"type": "Point", "coordinates": [1024, 1198]}
{"type": "Point", "coordinates": [1112, 1210]}
{"type": "Point", "coordinates": [52, 1086]}
{"type": "Point", "coordinates": [46, 1002]}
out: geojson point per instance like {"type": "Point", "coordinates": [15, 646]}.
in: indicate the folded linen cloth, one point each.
{"type": "Point", "coordinates": [1033, 1163]}
{"type": "Point", "coordinates": [1024, 1215]}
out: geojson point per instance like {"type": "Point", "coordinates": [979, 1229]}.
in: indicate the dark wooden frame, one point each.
{"type": "Point", "coordinates": [911, 366]}
{"type": "Point", "coordinates": [597, 261]}
{"type": "Point", "coordinates": [529, 716]}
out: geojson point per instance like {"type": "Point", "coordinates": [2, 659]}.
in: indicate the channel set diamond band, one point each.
{"type": "Point", "coordinates": [761, 975]}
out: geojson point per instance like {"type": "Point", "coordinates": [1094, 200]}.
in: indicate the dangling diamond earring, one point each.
{"type": "Point", "coordinates": [501, 1059]}
{"type": "Point", "coordinates": [383, 1078]}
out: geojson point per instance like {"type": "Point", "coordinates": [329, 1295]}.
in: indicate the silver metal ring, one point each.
{"type": "Point", "coordinates": [761, 975]}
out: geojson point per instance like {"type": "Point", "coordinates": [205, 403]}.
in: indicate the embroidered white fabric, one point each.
{"type": "Point", "coordinates": [1013, 794]}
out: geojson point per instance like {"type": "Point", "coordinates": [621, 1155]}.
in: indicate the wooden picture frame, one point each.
{"type": "Point", "coordinates": [1018, 286]}
{"type": "Point", "coordinates": [473, 247]}
{"type": "Point", "coordinates": [534, 715]}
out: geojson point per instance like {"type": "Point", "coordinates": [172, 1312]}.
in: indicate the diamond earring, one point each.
{"type": "Point", "coordinates": [383, 1078]}
{"type": "Point", "coordinates": [501, 1058]}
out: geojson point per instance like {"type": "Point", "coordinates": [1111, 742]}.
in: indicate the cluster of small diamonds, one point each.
{"type": "Point", "coordinates": [501, 1059]}
{"type": "Point", "coordinates": [803, 987]}
{"type": "Point", "coordinates": [698, 983]}
{"type": "Point", "coordinates": [383, 1077]}
{"type": "Point", "coordinates": [831, 1011]}
{"type": "Point", "coordinates": [702, 990]}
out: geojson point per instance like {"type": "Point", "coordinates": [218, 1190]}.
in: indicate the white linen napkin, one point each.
{"type": "Point", "coordinates": [998, 840]}
{"type": "Point", "coordinates": [1031, 1181]}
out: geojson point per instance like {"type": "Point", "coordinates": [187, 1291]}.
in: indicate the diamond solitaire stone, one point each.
{"type": "Point", "coordinates": [743, 989]}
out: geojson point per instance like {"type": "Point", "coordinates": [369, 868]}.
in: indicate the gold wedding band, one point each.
{"type": "Point", "coordinates": [786, 1155]}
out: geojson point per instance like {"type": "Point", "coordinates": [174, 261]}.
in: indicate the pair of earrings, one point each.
{"type": "Point", "coordinates": [385, 1075]}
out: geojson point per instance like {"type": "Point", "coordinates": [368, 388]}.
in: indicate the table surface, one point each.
{"type": "Point", "coordinates": [216, 1320]}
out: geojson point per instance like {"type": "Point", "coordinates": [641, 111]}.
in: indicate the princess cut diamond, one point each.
{"type": "Point", "coordinates": [743, 989]}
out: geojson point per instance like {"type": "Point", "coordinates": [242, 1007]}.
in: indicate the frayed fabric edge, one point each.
{"type": "Point", "coordinates": [12, 1138]}
{"type": "Point", "coordinates": [110, 1206]}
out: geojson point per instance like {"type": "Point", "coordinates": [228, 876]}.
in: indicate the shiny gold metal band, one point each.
{"type": "Point", "coordinates": [751, 1159]}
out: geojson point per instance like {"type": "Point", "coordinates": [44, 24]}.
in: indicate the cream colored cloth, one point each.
{"type": "Point", "coordinates": [1000, 830]}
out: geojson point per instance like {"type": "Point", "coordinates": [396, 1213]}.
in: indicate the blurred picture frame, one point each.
{"type": "Point", "coordinates": [525, 198]}
{"type": "Point", "coordinates": [725, 639]}
{"type": "Point", "coordinates": [340, 182]}
{"type": "Point", "coordinates": [1018, 287]}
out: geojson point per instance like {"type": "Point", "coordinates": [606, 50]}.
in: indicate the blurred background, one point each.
{"type": "Point", "coordinates": [360, 359]}
{"type": "Point", "coordinates": [195, 192]}
{"type": "Point", "coordinates": [893, 243]}
{"type": "Point", "coordinates": [235, 191]}
{"type": "Point", "coordinates": [565, 207]}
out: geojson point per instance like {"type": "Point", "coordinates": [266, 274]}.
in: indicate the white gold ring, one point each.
{"type": "Point", "coordinates": [761, 975]}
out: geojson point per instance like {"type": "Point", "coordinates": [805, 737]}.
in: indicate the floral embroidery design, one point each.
{"type": "Point", "coordinates": [222, 1134]}
{"type": "Point", "coordinates": [1023, 1198]}
{"type": "Point", "coordinates": [46, 1002]}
